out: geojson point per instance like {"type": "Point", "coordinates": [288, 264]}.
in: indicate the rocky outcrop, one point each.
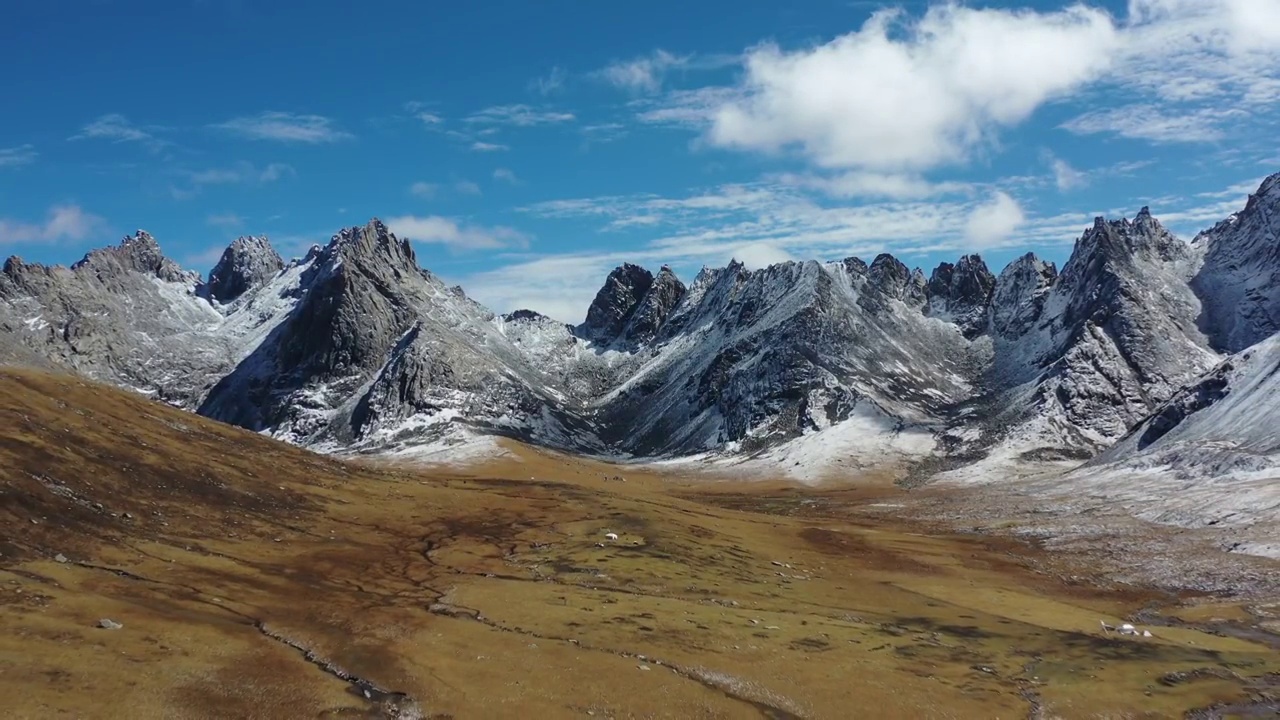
{"type": "Point", "coordinates": [1017, 302]}
{"type": "Point", "coordinates": [1239, 281]}
{"type": "Point", "coordinates": [961, 293]}
{"type": "Point", "coordinates": [614, 304]}
{"type": "Point", "coordinates": [1113, 337]}
{"type": "Point", "coordinates": [138, 253]}
{"type": "Point", "coordinates": [248, 263]}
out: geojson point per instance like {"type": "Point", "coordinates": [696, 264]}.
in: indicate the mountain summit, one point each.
{"type": "Point", "coordinates": [355, 347]}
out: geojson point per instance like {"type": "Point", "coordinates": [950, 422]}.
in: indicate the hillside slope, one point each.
{"type": "Point", "coordinates": [245, 577]}
{"type": "Point", "coordinates": [1211, 455]}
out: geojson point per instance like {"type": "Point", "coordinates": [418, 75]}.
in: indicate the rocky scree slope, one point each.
{"type": "Point", "coordinates": [355, 347]}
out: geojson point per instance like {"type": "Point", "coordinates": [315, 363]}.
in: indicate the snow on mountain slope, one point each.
{"type": "Point", "coordinates": [1209, 456]}
{"type": "Point", "coordinates": [1112, 337]}
{"type": "Point", "coordinates": [355, 347]}
{"type": "Point", "coordinates": [1239, 281]}
{"type": "Point", "coordinates": [749, 359]}
{"type": "Point", "coordinates": [374, 349]}
{"type": "Point", "coordinates": [123, 314]}
{"type": "Point", "coordinates": [866, 441]}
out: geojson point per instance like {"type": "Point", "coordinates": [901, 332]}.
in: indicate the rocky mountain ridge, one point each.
{"type": "Point", "coordinates": [354, 347]}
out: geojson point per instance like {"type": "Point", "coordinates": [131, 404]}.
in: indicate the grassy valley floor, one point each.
{"type": "Point", "coordinates": [253, 579]}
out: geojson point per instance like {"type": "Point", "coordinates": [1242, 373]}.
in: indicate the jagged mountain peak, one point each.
{"type": "Point", "coordinates": [247, 263]}
{"type": "Point", "coordinates": [615, 302]}
{"type": "Point", "coordinates": [1121, 240]}
{"type": "Point", "coordinates": [137, 253]}
{"type": "Point", "coordinates": [372, 243]}
{"type": "Point", "coordinates": [1019, 295]}
{"type": "Point", "coordinates": [961, 293]}
{"type": "Point", "coordinates": [357, 346]}
{"type": "Point", "coordinates": [648, 315]}
{"type": "Point", "coordinates": [525, 315]}
{"type": "Point", "coordinates": [1269, 188]}
{"type": "Point", "coordinates": [894, 279]}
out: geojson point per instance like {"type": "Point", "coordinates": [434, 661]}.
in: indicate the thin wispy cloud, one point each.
{"type": "Point", "coordinates": [276, 171]}
{"type": "Point", "coordinates": [424, 190]}
{"type": "Point", "coordinates": [1065, 177]}
{"type": "Point", "coordinates": [550, 84]}
{"type": "Point", "coordinates": [1151, 122]}
{"type": "Point", "coordinates": [455, 235]}
{"type": "Point", "coordinates": [487, 147]}
{"type": "Point", "coordinates": [225, 220]}
{"type": "Point", "coordinates": [642, 74]}
{"type": "Point", "coordinates": [518, 116]}
{"type": "Point", "coordinates": [424, 113]}
{"type": "Point", "coordinates": [603, 132]}
{"type": "Point", "coordinates": [286, 127]}
{"type": "Point", "coordinates": [862, 184]}
{"type": "Point", "coordinates": [647, 74]}
{"type": "Point", "coordinates": [242, 172]}
{"type": "Point", "coordinates": [193, 182]}
{"type": "Point", "coordinates": [116, 128]}
{"type": "Point", "coordinates": [61, 223]}
{"type": "Point", "coordinates": [206, 257]}
{"type": "Point", "coordinates": [506, 175]}
{"type": "Point", "coordinates": [18, 156]}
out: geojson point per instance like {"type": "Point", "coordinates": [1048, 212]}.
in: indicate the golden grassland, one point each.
{"type": "Point", "coordinates": [254, 579]}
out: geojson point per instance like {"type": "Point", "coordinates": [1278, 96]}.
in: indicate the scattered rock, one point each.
{"type": "Point", "coordinates": [109, 624]}
{"type": "Point", "coordinates": [60, 558]}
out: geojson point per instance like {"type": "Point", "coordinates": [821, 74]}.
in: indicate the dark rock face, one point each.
{"type": "Point", "coordinates": [646, 318]}
{"type": "Point", "coordinates": [1207, 391]}
{"type": "Point", "coordinates": [767, 355]}
{"type": "Point", "coordinates": [353, 310]}
{"type": "Point", "coordinates": [1019, 296]}
{"type": "Point", "coordinates": [614, 304]}
{"type": "Point", "coordinates": [894, 280]}
{"type": "Point", "coordinates": [1239, 282]}
{"type": "Point", "coordinates": [248, 263]}
{"type": "Point", "coordinates": [356, 300]}
{"type": "Point", "coordinates": [962, 293]}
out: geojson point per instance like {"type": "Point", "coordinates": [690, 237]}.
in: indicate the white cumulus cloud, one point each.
{"type": "Point", "coordinates": [994, 222]}
{"type": "Point", "coordinates": [913, 94]}
{"type": "Point", "coordinates": [759, 255]}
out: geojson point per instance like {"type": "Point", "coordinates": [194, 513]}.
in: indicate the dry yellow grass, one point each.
{"type": "Point", "coordinates": [252, 578]}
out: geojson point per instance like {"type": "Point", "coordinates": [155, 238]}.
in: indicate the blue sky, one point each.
{"type": "Point", "coordinates": [527, 148]}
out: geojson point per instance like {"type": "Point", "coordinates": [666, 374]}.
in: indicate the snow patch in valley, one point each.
{"type": "Point", "coordinates": [458, 447]}
{"type": "Point", "coordinates": [867, 441]}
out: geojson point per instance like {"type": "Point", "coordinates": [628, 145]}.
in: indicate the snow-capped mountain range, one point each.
{"type": "Point", "coordinates": [354, 347]}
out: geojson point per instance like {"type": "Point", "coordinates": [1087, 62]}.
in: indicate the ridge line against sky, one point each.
{"type": "Point", "coordinates": [527, 151]}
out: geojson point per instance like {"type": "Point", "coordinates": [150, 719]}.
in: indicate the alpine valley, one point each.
{"type": "Point", "coordinates": [1143, 367]}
